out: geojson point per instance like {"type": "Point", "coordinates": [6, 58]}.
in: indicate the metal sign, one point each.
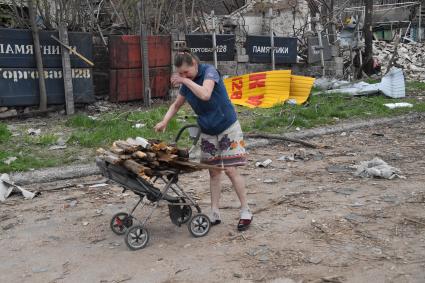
{"type": "Point", "coordinates": [314, 49]}
{"type": "Point", "coordinates": [202, 46]}
{"type": "Point", "coordinates": [258, 49]}
{"type": "Point", "coordinates": [17, 49]}
{"type": "Point", "coordinates": [20, 86]}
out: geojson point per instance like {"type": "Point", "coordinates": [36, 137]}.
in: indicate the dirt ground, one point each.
{"type": "Point", "coordinates": [315, 222]}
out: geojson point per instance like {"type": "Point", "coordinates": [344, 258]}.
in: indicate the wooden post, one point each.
{"type": "Point", "coordinates": [214, 39]}
{"type": "Point", "coordinates": [145, 59]}
{"type": "Point", "coordinates": [272, 47]}
{"type": "Point", "coordinates": [38, 59]}
{"type": "Point", "coordinates": [66, 70]}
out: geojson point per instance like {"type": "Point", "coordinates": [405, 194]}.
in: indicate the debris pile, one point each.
{"type": "Point", "coordinates": [409, 57]}
{"type": "Point", "coordinates": [149, 158]}
{"type": "Point", "coordinates": [391, 85]}
{"type": "Point", "coordinates": [377, 168]}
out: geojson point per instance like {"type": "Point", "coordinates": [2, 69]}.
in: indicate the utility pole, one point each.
{"type": "Point", "coordinates": [38, 59]}
{"type": "Point", "coordinates": [368, 36]}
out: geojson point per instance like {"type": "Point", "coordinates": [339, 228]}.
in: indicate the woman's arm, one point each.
{"type": "Point", "coordinates": [203, 91]}
{"type": "Point", "coordinates": [174, 108]}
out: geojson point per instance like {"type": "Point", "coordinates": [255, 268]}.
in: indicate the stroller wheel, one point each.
{"type": "Point", "coordinates": [180, 214]}
{"type": "Point", "coordinates": [137, 237]}
{"type": "Point", "coordinates": [199, 225]}
{"type": "Point", "coordinates": [120, 222]}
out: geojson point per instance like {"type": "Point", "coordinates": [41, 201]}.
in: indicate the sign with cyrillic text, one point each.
{"type": "Point", "coordinates": [17, 49]}
{"type": "Point", "coordinates": [202, 46]}
{"type": "Point", "coordinates": [258, 49]}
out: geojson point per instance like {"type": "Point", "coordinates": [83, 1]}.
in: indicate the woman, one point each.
{"type": "Point", "coordinates": [221, 138]}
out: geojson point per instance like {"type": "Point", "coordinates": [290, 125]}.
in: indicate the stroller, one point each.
{"type": "Point", "coordinates": [179, 203]}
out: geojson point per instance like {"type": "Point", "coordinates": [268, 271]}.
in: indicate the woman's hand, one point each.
{"type": "Point", "coordinates": [160, 127]}
{"type": "Point", "coordinates": [177, 80]}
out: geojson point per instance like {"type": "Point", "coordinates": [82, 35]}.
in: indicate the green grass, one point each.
{"type": "Point", "coordinates": [415, 86]}
{"type": "Point", "coordinates": [321, 110]}
{"type": "Point", "coordinates": [5, 134]}
{"type": "Point", "coordinates": [26, 160]}
{"type": "Point", "coordinates": [42, 140]}
{"type": "Point", "coordinates": [114, 126]}
{"type": "Point", "coordinates": [87, 134]}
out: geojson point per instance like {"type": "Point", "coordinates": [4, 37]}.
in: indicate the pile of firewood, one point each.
{"type": "Point", "coordinates": [149, 158]}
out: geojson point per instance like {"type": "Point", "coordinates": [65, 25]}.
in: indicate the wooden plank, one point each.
{"type": "Point", "coordinates": [67, 73]}
{"type": "Point", "coordinates": [195, 165]}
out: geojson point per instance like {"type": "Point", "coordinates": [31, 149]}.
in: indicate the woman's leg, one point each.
{"type": "Point", "coordinates": [239, 185]}
{"type": "Point", "coordinates": [215, 187]}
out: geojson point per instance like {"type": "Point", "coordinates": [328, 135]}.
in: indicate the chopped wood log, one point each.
{"type": "Point", "coordinates": [113, 159]}
{"type": "Point", "coordinates": [151, 155]}
{"type": "Point", "coordinates": [166, 157]}
{"type": "Point", "coordinates": [136, 168]}
{"type": "Point", "coordinates": [116, 150]}
{"type": "Point", "coordinates": [128, 148]}
{"type": "Point", "coordinates": [140, 154]}
{"type": "Point", "coordinates": [159, 146]}
{"type": "Point", "coordinates": [125, 156]}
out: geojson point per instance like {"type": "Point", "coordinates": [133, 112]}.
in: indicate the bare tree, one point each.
{"type": "Point", "coordinates": [367, 30]}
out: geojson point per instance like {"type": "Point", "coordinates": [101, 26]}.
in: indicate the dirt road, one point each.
{"type": "Point", "coordinates": [318, 223]}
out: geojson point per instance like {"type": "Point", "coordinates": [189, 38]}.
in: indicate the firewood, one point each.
{"type": "Point", "coordinates": [116, 150]}
{"type": "Point", "coordinates": [149, 158]}
{"type": "Point", "coordinates": [126, 146]}
{"type": "Point", "coordinates": [140, 154]}
{"type": "Point", "coordinates": [125, 156]}
{"type": "Point", "coordinates": [159, 147]}
{"type": "Point", "coordinates": [137, 168]}
{"type": "Point", "coordinates": [151, 155]}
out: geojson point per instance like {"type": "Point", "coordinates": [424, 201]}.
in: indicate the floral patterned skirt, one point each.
{"type": "Point", "coordinates": [226, 149]}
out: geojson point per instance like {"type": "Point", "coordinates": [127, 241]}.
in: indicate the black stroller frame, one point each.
{"type": "Point", "coordinates": [180, 205]}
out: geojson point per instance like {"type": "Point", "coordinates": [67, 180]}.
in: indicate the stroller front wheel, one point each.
{"type": "Point", "coordinates": [137, 237]}
{"type": "Point", "coordinates": [199, 225]}
{"type": "Point", "coordinates": [120, 222]}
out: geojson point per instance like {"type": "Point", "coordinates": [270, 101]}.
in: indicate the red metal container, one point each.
{"type": "Point", "coordinates": [124, 51]}
{"type": "Point", "coordinates": [127, 84]}
{"type": "Point", "coordinates": [160, 81]}
{"type": "Point", "coordinates": [159, 50]}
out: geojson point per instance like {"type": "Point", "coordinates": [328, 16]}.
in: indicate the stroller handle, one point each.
{"type": "Point", "coordinates": [195, 138]}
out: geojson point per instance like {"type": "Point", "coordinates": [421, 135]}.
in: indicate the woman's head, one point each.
{"type": "Point", "coordinates": [186, 64]}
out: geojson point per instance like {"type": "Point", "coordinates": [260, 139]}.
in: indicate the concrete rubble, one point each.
{"type": "Point", "coordinates": [409, 57]}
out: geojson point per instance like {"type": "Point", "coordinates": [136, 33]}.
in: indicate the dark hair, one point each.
{"type": "Point", "coordinates": [185, 56]}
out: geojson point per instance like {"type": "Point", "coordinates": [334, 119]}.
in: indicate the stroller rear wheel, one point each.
{"type": "Point", "coordinates": [120, 222]}
{"type": "Point", "coordinates": [199, 225]}
{"type": "Point", "coordinates": [180, 214]}
{"type": "Point", "coordinates": [137, 237]}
